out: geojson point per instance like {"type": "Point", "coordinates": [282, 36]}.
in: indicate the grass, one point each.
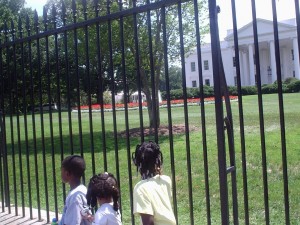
{"type": "Point", "coordinates": [41, 162]}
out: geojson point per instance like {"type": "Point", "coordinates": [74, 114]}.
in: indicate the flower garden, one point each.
{"type": "Point", "coordinates": [132, 105]}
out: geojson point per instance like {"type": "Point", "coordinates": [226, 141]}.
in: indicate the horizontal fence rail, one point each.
{"type": "Point", "coordinates": [97, 78]}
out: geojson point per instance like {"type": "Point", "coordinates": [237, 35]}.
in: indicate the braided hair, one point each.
{"type": "Point", "coordinates": [103, 185]}
{"type": "Point", "coordinates": [148, 159]}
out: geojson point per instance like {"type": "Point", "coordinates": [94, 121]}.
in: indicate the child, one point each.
{"type": "Point", "coordinates": [152, 195]}
{"type": "Point", "coordinates": [103, 188]}
{"type": "Point", "coordinates": [72, 169]}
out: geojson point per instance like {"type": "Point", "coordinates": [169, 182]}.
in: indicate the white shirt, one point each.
{"type": "Point", "coordinates": [74, 204]}
{"type": "Point", "coordinates": [106, 215]}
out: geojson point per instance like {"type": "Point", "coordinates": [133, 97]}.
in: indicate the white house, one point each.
{"type": "Point", "coordinates": [289, 55]}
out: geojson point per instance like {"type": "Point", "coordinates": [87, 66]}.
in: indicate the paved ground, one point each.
{"type": "Point", "coordinates": [7, 218]}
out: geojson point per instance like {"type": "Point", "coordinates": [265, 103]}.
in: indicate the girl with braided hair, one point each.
{"type": "Point", "coordinates": [103, 188]}
{"type": "Point", "coordinates": [152, 195]}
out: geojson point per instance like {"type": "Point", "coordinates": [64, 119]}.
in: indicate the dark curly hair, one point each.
{"type": "Point", "coordinates": [103, 185]}
{"type": "Point", "coordinates": [148, 159]}
{"type": "Point", "coordinates": [74, 164]}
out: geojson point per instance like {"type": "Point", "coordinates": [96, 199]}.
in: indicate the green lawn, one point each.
{"type": "Point", "coordinates": [17, 149]}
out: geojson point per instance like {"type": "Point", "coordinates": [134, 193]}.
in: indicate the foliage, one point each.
{"type": "Point", "coordinates": [290, 80]}
{"type": "Point", "coordinates": [273, 88]}
{"type": "Point", "coordinates": [106, 97]}
{"type": "Point", "coordinates": [294, 86]}
{"type": "Point", "coordinates": [208, 91]}
{"type": "Point", "coordinates": [175, 79]}
{"type": "Point", "coordinates": [249, 90]}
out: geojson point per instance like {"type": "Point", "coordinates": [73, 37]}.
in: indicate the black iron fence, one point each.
{"type": "Point", "coordinates": [60, 76]}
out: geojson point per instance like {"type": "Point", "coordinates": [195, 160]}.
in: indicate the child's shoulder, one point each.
{"type": "Point", "coordinates": [78, 193]}
{"type": "Point", "coordinates": [163, 178]}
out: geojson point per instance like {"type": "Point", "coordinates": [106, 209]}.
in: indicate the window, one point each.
{"type": "Point", "coordinates": [294, 74]}
{"type": "Point", "coordinates": [207, 82]}
{"type": "Point", "coordinates": [233, 61]}
{"type": "Point", "coordinates": [235, 81]}
{"type": "Point", "coordinates": [194, 83]}
{"type": "Point", "coordinates": [292, 51]}
{"type": "Point", "coordinates": [193, 66]}
{"type": "Point", "coordinates": [205, 63]}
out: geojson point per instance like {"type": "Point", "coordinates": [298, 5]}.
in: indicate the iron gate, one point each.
{"type": "Point", "coordinates": [55, 72]}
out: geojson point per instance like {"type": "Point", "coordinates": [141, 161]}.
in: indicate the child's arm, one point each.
{"type": "Point", "coordinates": [147, 219]}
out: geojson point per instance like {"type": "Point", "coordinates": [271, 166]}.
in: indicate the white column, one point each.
{"type": "Point", "coordinates": [251, 65]}
{"type": "Point", "coordinates": [284, 62]}
{"type": "Point", "coordinates": [273, 61]}
{"type": "Point", "coordinates": [296, 58]}
{"type": "Point", "coordinates": [263, 66]}
{"type": "Point", "coordinates": [242, 73]}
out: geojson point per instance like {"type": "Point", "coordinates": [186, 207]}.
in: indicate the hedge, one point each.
{"type": "Point", "coordinates": [290, 85]}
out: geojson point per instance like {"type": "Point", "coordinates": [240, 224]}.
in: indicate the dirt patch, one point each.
{"type": "Point", "coordinates": [162, 131]}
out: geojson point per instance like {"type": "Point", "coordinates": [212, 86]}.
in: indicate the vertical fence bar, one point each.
{"type": "Point", "coordinates": [261, 116]}
{"type": "Point", "coordinates": [281, 113]}
{"type": "Point", "coordinates": [33, 119]}
{"type": "Point", "coordinates": [100, 85]}
{"type": "Point", "coordinates": [20, 147]}
{"type": "Point", "coordinates": [87, 73]}
{"type": "Point", "coordinates": [2, 143]}
{"type": "Point", "coordinates": [58, 92]}
{"type": "Point", "coordinates": [202, 108]}
{"type": "Point", "coordinates": [24, 86]}
{"type": "Point", "coordinates": [42, 115]}
{"type": "Point", "coordinates": [49, 96]}
{"type": "Point", "coordinates": [16, 106]}
{"type": "Point", "coordinates": [10, 84]}
{"type": "Point", "coordinates": [125, 90]}
{"type": "Point", "coordinates": [152, 106]}
{"type": "Point", "coordinates": [6, 195]}
{"type": "Point", "coordinates": [57, 74]}
{"type": "Point", "coordinates": [241, 114]}
{"type": "Point", "coordinates": [172, 156]}
{"type": "Point", "coordinates": [74, 11]}
{"type": "Point", "coordinates": [69, 86]}
{"type": "Point", "coordinates": [138, 70]}
{"type": "Point", "coordinates": [213, 10]}
{"type": "Point", "coordinates": [111, 73]}
{"type": "Point", "coordinates": [186, 118]}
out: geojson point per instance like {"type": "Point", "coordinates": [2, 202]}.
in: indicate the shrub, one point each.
{"type": "Point", "coordinates": [208, 91]}
{"type": "Point", "coordinates": [290, 80]}
{"type": "Point", "coordinates": [232, 90]}
{"type": "Point", "coordinates": [294, 86]}
{"type": "Point", "coordinates": [176, 94]}
{"type": "Point", "coordinates": [193, 93]}
{"type": "Point", "coordinates": [249, 90]}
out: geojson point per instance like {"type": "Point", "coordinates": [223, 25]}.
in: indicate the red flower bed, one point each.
{"type": "Point", "coordinates": [144, 104]}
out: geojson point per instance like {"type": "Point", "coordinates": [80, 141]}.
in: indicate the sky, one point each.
{"type": "Point", "coordinates": [36, 4]}
{"type": "Point", "coordinates": [285, 10]}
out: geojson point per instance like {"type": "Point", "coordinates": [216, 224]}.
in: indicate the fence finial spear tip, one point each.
{"type": "Point", "coordinates": [12, 24]}
{"type": "Point", "coordinates": [35, 15]}
{"type": "Point", "coordinates": [45, 13]}
{"type": "Point", "coordinates": [73, 5]}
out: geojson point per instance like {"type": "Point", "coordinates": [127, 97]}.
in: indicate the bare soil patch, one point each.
{"type": "Point", "coordinates": [162, 130]}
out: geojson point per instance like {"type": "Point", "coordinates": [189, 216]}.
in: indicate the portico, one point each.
{"type": "Point", "coordinates": [288, 48]}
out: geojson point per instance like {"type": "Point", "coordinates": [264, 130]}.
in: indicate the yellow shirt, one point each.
{"type": "Point", "coordinates": [153, 197]}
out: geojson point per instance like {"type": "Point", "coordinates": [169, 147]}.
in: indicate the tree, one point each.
{"type": "Point", "coordinates": [151, 25]}
{"type": "Point", "coordinates": [175, 77]}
